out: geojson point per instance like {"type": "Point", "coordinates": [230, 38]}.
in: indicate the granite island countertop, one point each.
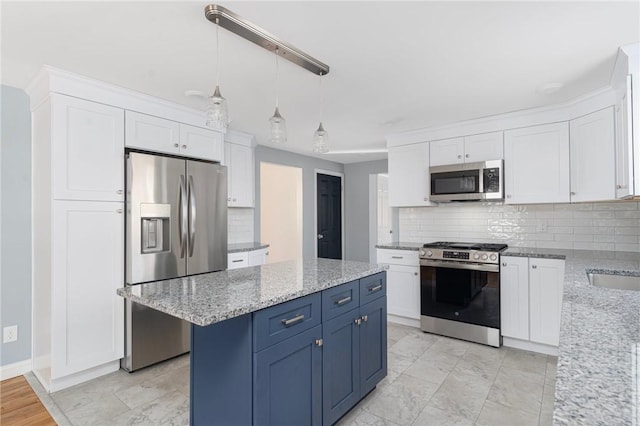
{"type": "Point", "coordinates": [210, 298]}
{"type": "Point", "coordinates": [240, 247]}
{"type": "Point", "coordinates": [598, 375]}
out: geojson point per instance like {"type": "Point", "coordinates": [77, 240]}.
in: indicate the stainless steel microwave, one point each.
{"type": "Point", "coordinates": [468, 181]}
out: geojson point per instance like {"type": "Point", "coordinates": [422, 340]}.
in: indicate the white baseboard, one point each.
{"type": "Point", "coordinates": [82, 376]}
{"type": "Point", "coordinates": [530, 346]}
{"type": "Point", "coordinates": [403, 320]}
{"type": "Point", "coordinates": [14, 370]}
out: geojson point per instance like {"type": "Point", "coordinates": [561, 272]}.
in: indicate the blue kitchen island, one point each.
{"type": "Point", "coordinates": [289, 343]}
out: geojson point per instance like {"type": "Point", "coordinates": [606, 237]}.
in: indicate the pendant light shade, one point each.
{"type": "Point", "coordinates": [321, 137]}
{"type": "Point", "coordinates": [278, 126]}
{"type": "Point", "coordinates": [217, 109]}
{"type": "Point", "coordinates": [277, 123]}
{"type": "Point", "coordinates": [321, 140]}
{"type": "Point", "coordinates": [217, 112]}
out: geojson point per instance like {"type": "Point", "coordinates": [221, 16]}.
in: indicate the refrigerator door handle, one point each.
{"type": "Point", "coordinates": [182, 215]}
{"type": "Point", "coordinates": [192, 217]}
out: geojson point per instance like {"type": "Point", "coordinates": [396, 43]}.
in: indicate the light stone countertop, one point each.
{"type": "Point", "coordinates": [598, 376]}
{"type": "Point", "coordinates": [210, 298]}
{"type": "Point", "coordinates": [400, 246]}
{"type": "Point", "coordinates": [240, 247]}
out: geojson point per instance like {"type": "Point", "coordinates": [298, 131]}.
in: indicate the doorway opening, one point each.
{"type": "Point", "coordinates": [281, 211]}
{"type": "Point", "coordinates": [329, 214]}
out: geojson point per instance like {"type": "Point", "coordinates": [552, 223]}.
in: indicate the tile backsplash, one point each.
{"type": "Point", "coordinates": [240, 225]}
{"type": "Point", "coordinates": [592, 226]}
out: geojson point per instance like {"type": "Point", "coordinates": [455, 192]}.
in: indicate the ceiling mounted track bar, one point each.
{"type": "Point", "coordinates": [245, 29]}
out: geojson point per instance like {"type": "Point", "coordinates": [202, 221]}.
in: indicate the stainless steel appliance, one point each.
{"type": "Point", "coordinates": [460, 290]}
{"type": "Point", "coordinates": [176, 225]}
{"type": "Point", "coordinates": [467, 181]}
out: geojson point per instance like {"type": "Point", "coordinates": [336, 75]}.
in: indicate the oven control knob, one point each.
{"type": "Point", "coordinates": [485, 257]}
{"type": "Point", "coordinates": [476, 256]}
{"type": "Point", "coordinates": [421, 253]}
{"type": "Point", "coordinates": [493, 257]}
{"type": "Point", "coordinates": [429, 253]}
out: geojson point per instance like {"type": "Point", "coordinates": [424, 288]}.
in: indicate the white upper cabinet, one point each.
{"type": "Point", "coordinates": [592, 157]}
{"type": "Point", "coordinates": [201, 143]}
{"type": "Point", "coordinates": [87, 150]}
{"type": "Point", "coordinates": [624, 144]}
{"type": "Point", "coordinates": [468, 149]}
{"type": "Point", "coordinates": [160, 135]}
{"type": "Point", "coordinates": [152, 133]}
{"type": "Point", "coordinates": [409, 183]}
{"type": "Point", "coordinates": [446, 151]}
{"type": "Point", "coordinates": [537, 164]}
{"type": "Point", "coordinates": [484, 147]}
{"type": "Point", "coordinates": [239, 159]}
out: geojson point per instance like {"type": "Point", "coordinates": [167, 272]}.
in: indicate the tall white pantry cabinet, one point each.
{"type": "Point", "coordinates": [78, 246]}
{"type": "Point", "coordinates": [78, 145]}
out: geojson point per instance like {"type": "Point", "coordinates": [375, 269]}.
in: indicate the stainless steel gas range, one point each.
{"type": "Point", "coordinates": [460, 290]}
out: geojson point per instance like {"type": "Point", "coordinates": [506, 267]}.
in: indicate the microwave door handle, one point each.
{"type": "Point", "coordinates": [192, 217]}
{"type": "Point", "coordinates": [182, 215]}
{"type": "Point", "coordinates": [481, 188]}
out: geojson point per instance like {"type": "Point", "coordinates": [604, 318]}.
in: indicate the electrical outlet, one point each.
{"type": "Point", "coordinates": [542, 226]}
{"type": "Point", "coordinates": [10, 334]}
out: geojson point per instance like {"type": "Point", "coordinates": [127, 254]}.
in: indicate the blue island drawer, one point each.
{"type": "Point", "coordinates": [340, 299]}
{"type": "Point", "coordinates": [279, 322]}
{"type": "Point", "coordinates": [373, 287]}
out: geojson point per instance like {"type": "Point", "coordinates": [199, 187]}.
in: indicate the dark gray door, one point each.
{"type": "Point", "coordinates": [329, 212]}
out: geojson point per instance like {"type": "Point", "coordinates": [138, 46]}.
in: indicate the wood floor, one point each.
{"type": "Point", "coordinates": [19, 405]}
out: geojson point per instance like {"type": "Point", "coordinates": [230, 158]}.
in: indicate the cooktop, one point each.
{"type": "Point", "coordinates": [465, 246]}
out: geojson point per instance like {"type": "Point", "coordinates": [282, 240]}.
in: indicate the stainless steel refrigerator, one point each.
{"type": "Point", "coordinates": [176, 226]}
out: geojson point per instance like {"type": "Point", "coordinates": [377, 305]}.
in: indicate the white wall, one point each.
{"type": "Point", "coordinates": [592, 226]}
{"type": "Point", "coordinates": [281, 211]}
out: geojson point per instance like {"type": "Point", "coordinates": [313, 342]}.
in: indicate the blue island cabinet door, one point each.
{"type": "Point", "coordinates": [373, 344]}
{"type": "Point", "coordinates": [341, 365]}
{"type": "Point", "coordinates": [287, 381]}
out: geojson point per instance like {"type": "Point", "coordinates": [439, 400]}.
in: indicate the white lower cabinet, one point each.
{"type": "Point", "coordinates": [78, 321]}
{"type": "Point", "coordinates": [403, 282]}
{"type": "Point", "coordinates": [258, 257]}
{"type": "Point", "coordinates": [531, 300]}
{"type": "Point", "coordinates": [242, 259]}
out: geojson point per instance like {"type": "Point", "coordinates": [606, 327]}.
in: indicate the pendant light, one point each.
{"type": "Point", "coordinates": [277, 123]}
{"type": "Point", "coordinates": [217, 112]}
{"type": "Point", "coordinates": [321, 137]}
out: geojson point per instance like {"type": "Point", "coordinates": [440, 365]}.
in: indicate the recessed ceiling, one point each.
{"type": "Point", "coordinates": [395, 66]}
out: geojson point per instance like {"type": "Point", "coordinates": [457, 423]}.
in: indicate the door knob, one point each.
{"type": "Point", "coordinates": [320, 236]}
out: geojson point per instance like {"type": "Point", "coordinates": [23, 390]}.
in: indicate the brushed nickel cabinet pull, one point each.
{"type": "Point", "coordinates": [343, 300]}
{"type": "Point", "coordinates": [292, 321]}
{"type": "Point", "coordinates": [365, 318]}
{"type": "Point", "coordinates": [319, 342]}
{"type": "Point", "coordinates": [534, 266]}
{"type": "Point", "coordinates": [375, 288]}
{"type": "Point", "coordinates": [357, 321]}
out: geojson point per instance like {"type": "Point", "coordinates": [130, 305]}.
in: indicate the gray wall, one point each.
{"type": "Point", "coordinates": [308, 165]}
{"type": "Point", "coordinates": [356, 197]}
{"type": "Point", "coordinates": [15, 224]}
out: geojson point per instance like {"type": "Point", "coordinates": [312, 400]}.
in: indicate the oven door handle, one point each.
{"type": "Point", "coordinates": [455, 265]}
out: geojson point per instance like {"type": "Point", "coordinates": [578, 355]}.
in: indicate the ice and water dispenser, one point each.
{"type": "Point", "coordinates": [156, 223]}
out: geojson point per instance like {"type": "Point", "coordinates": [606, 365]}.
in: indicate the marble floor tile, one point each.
{"type": "Point", "coordinates": [396, 365]}
{"type": "Point", "coordinates": [99, 411]}
{"type": "Point", "coordinates": [546, 410]}
{"type": "Point", "coordinates": [526, 361]}
{"type": "Point", "coordinates": [495, 414]}
{"type": "Point", "coordinates": [432, 366]}
{"type": "Point", "coordinates": [432, 416]}
{"type": "Point", "coordinates": [364, 418]}
{"type": "Point", "coordinates": [486, 368]}
{"type": "Point", "coordinates": [552, 366]}
{"type": "Point", "coordinates": [414, 345]}
{"type": "Point", "coordinates": [452, 347]}
{"type": "Point", "coordinates": [170, 409]}
{"type": "Point", "coordinates": [402, 401]}
{"type": "Point", "coordinates": [462, 393]}
{"type": "Point", "coordinates": [398, 331]}
{"type": "Point", "coordinates": [516, 393]}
